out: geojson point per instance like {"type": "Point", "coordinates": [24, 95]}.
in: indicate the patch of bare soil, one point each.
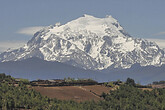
{"type": "Point", "coordinates": [149, 89]}
{"type": "Point", "coordinates": [158, 86]}
{"type": "Point", "coordinates": [76, 93]}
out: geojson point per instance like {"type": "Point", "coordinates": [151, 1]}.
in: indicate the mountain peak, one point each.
{"type": "Point", "coordinates": [108, 16]}
{"type": "Point", "coordinates": [90, 16]}
{"type": "Point", "coordinates": [107, 19]}
{"type": "Point", "coordinates": [91, 43]}
{"type": "Point", "coordinates": [88, 24]}
{"type": "Point", "coordinates": [86, 15]}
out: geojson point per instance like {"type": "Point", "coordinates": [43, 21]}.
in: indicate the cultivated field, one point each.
{"type": "Point", "coordinates": [76, 93]}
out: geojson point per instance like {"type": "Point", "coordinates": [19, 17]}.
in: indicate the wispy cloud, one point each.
{"type": "Point", "coordinates": [4, 45]}
{"type": "Point", "coordinates": [159, 34]}
{"type": "Point", "coordinates": [30, 30]}
{"type": "Point", "coordinates": [160, 42]}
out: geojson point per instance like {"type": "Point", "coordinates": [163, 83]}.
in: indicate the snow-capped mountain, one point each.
{"type": "Point", "coordinates": [90, 43]}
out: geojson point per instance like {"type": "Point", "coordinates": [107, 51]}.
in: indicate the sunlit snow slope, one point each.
{"type": "Point", "coordinates": [90, 43]}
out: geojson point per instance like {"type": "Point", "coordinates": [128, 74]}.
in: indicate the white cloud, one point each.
{"type": "Point", "coordinates": [4, 45]}
{"type": "Point", "coordinates": [159, 34]}
{"type": "Point", "coordinates": [30, 30]}
{"type": "Point", "coordinates": [160, 42]}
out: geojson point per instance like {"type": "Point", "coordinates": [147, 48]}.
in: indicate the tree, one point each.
{"type": "Point", "coordinates": [130, 82]}
{"type": "Point", "coordinates": [103, 95]}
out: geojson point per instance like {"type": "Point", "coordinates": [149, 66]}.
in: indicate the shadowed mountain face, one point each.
{"type": "Point", "coordinates": [89, 43]}
{"type": "Point", "coordinates": [35, 68]}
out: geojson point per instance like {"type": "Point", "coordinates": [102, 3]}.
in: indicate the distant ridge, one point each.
{"type": "Point", "coordinates": [35, 68]}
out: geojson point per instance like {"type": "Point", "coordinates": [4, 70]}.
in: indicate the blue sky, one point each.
{"type": "Point", "coordinates": [20, 18]}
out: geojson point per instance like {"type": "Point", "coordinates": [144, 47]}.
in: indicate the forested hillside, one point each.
{"type": "Point", "coordinates": [126, 97]}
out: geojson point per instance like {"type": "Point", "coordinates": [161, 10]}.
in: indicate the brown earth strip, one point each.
{"type": "Point", "coordinates": [76, 93]}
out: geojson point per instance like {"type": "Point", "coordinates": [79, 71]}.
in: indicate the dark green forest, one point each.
{"type": "Point", "coordinates": [127, 97]}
